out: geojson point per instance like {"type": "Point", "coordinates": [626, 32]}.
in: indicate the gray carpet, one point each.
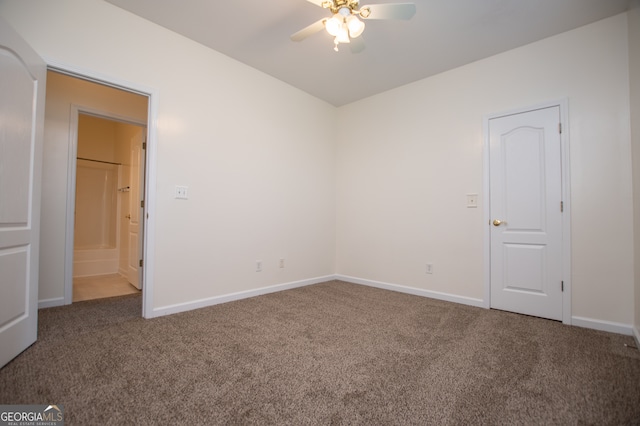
{"type": "Point", "coordinates": [331, 353]}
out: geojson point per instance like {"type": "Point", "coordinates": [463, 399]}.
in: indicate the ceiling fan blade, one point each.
{"type": "Point", "coordinates": [390, 11]}
{"type": "Point", "coordinates": [357, 45]}
{"type": "Point", "coordinates": [311, 29]}
{"type": "Point", "coordinates": [317, 2]}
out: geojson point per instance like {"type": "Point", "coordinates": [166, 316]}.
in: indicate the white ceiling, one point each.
{"type": "Point", "coordinates": [442, 35]}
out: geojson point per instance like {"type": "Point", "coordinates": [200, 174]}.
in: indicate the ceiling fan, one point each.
{"type": "Point", "coordinates": [344, 24]}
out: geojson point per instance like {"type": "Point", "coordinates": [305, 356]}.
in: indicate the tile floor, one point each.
{"type": "Point", "coordinates": [97, 287]}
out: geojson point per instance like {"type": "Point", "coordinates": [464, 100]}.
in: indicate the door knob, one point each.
{"type": "Point", "coordinates": [129, 217]}
{"type": "Point", "coordinates": [498, 222]}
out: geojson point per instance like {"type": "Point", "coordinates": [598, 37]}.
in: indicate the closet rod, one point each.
{"type": "Point", "coordinates": [99, 161]}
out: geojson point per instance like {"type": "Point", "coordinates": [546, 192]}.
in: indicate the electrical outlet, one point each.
{"type": "Point", "coordinates": [281, 262]}
{"type": "Point", "coordinates": [429, 268]}
{"type": "Point", "coordinates": [181, 192]}
{"type": "Point", "coordinates": [472, 201]}
{"type": "Point", "coordinates": [258, 265]}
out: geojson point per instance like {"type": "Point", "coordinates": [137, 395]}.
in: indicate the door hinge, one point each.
{"type": "Point", "coordinates": [559, 127]}
{"type": "Point", "coordinates": [142, 204]}
{"type": "Point", "coordinates": [561, 206]}
{"type": "Point", "coordinates": [141, 262]}
{"type": "Point", "coordinates": [561, 284]}
{"type": "Point", "coordinates": [144, 145]}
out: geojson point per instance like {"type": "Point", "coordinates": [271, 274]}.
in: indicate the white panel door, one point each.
{"type": "Point", "coordinates": [526, 217]}
{"type": "Point", "coordinates": [22, 95]}
{"type": "Point", "coordinates": [136, 176]}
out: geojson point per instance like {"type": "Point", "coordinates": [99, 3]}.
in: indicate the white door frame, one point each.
{"type": "Point", "coordinates": [150, 178]}
{"type": "Point", "coordinates": [563, 104]}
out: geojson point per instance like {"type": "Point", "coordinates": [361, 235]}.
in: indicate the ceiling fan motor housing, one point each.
{"type": "Point", "coordinates": [337, 5]}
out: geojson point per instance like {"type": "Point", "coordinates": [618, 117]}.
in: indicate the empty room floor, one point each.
{"type": "Point", "coordinates": [329, 353]}
{"type": "Point", "coordinates": [97, 287]}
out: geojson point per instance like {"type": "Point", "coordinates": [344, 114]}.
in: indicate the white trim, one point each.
{"type": "Point", "coordinates": [609, 326]}
{"type": "Point", "coordinates": [71, 205]}
{"type": "Point", "coordinates": [150, 171]}
{"type": "Point", "coordinates": [414, 291]}
{"type": "Point", "coordinates": [566, 217]}
{"type": "Point", "coordinates": [563, 104]}
{"type": "Point", "coordinates": [210, 301]}
{"type": "Point", "coordinates": [51, 303]}
{"type": "Point", "coordinates": [486, 202]}
{"type": "Point", "coordinates": [636, 334]}
{"type": "Point", "coordinates": [97, 77]}
{"type": "Point", "coordinates": [109, 115]}
{"type": "Point", "coordinates": [149, 235]}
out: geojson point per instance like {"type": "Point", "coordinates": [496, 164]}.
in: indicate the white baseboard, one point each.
{"type": "Point", "coordinates": [611, 327]}
{"type": "Point", "coordinates": [414, 291]}
{"type": "Point", "coordinates": [51, 303]}
{"type": "Point", "coordinates": [608, 326]}
{"type": "Point", "coordinates": [203, 303]}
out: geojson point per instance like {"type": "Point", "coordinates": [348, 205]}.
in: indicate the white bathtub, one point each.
{"type": "Point", "coordinates": [95, 261]}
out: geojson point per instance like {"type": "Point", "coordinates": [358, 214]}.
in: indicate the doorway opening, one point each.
{"type": "Point", "coordinates": [107, 228]}
{"type": "Point", "coordinates": [107, 225]}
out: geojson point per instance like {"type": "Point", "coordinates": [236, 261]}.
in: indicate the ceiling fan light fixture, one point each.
{"type": "Point", "coordinates": [365, 12]}
{"type": "Point", "coordinates": [356, 26]}
{"type": "Point", "coordinates": [346, 21]}
{"type": "Point", "coordinates": [334, 25]}
{"type": "Point", "coordinates": [343, 35]}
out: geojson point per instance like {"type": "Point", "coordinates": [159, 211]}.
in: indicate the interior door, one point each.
{"type": "Point", "coordinates": [526, 213]}
{"type": "Point", "coordinates": [22, 95]}
{"type": "Point", "coordinates": [137, 159]}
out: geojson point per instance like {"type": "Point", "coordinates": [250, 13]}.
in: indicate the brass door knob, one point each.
{"type": "Point", "coordinates": [498, 222]}
{"type": "Point", "coordinates": [129, 217]}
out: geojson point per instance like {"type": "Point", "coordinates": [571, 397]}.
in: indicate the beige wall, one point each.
{"type": "Point", "coordinates": [634, 79]}
{"type": "Point", "coordinates": [405, 170]}
{"type": "Point", "coordinates": [266, 179]}
{"type": "Point", "coordinates": [96, 138]}
{"type": "Point", "coordinates": [256, 154]}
